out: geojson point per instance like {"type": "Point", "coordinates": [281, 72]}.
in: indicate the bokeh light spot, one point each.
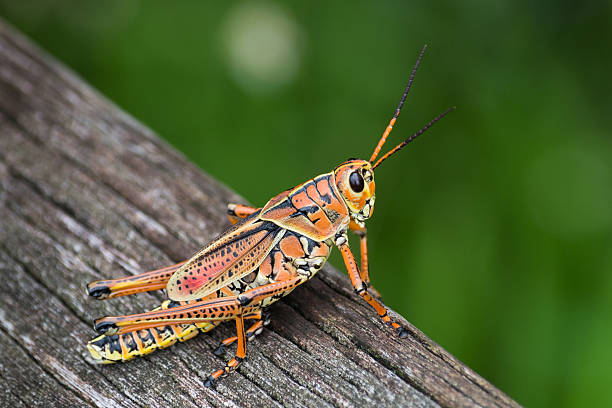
{"type": "Point", "coordinates": [261, 42]}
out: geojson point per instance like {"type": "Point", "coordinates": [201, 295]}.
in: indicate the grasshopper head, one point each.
{"type": "Point", "coordinates": [355, 182]}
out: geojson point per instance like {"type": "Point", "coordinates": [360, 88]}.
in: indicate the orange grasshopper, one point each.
{"type": "Point", "coordinates": [267, 253]}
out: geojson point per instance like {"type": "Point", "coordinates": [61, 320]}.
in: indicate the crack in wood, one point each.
{"type": "Point", "coordinates": [27, 352]}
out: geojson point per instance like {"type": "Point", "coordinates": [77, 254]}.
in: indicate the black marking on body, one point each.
{"type": "Point", "coordinates": [310, 209]}
{"type": "Point", "coordinates": [265, 225]}
{"type": "Point", "coordinates": [325, 211]}
{"type": "Point", "coordinates": [311, 243]}
{"type": "Point", "coordinates": [331, 188]}
{"type": "Point", "coordinates": [251, 216]}
{"type": "Point", "coordinates": [129, 342]}
{"type": "Point", "coordinates": [325, 197]}
{"type": "Point", "coordinates": [146, 337]}
{"type": "Point", "coordinates": [237, 286]}
{"type": "Point", "coordinates": [164, 332]}
{"type": "Point", "coordinates": [304, 212]}
{"type": "Point", "coordinates": [248, 279]}
{"type": "Point", "coordinates": [272, 256]}
{"type": "Point", "coordinates": [113, 344]}
{"type": "Point", "coordinates": [311, 199]}
{"type": "Point", "coordinates": [285, 203]}
{"type": "Point", "coordinates": [101, 341]}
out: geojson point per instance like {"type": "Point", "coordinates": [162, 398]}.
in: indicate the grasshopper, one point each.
{"type": "Point", "coordinates": [267, 253]}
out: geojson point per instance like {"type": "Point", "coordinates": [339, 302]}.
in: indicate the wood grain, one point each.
{"type": "Point", "coordinates": [87, 193]}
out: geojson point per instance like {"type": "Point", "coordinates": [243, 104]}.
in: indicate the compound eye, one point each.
{"type": "Point", "coordinates": [356, 182]}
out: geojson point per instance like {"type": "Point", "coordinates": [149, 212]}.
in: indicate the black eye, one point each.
{"type": "Point", "coordinates": [356, 182]}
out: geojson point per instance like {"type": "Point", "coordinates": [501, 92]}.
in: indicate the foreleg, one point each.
{"type": "Point", "coordinates": [362, 233]}
{"type": "Point", "coordinates": [361, 288]}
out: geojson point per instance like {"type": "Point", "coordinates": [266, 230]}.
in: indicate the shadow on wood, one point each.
{"type": "Point", "coordinates": [88, 193]}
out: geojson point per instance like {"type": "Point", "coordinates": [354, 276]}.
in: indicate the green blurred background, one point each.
{"type": "Point", "coordinates": [492, 233]}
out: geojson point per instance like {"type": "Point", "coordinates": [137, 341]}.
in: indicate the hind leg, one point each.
{"type": "Point", "coordinates": [144, 282]}
{"type": "Point", "coordinates": [261, 317]}
{"type": "Point", "coordinates": [233, 364]}
{"type": "Point", "coordinates": [219, 309]}
{"type": "Point", "coordinates": [223, 308]}
{"type": "Point", "coordinates": [123, 347]}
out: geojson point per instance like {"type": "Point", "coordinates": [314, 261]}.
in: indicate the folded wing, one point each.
{"type": "Point", "coordinates": [230, 257]}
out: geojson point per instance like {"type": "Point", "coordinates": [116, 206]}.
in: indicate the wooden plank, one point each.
{"type": "Point", "coordinates": [87, 193]}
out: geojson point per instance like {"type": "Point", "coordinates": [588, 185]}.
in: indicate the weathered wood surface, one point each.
{"type": "Point", "coordinates": [87, 193]}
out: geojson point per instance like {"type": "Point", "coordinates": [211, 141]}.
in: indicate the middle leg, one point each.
{"type": "Point", "coordinates": [261, 317]}
{"type": "Point", "coordinates": [238, 358]}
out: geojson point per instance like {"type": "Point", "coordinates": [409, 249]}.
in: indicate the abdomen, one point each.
{"type": "Point", "coordinates": [122, 347]}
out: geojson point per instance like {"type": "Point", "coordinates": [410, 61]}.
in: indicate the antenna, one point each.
{"type": "Point", "coordinates": [383, 139]}
{"type": "Point", "coordinates": [411, 138]}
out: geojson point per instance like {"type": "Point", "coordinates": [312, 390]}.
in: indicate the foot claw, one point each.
{"type": "Point", "coordinates": [100, 292]}
{"type": "Point", "coordinates": [374, 293]}
{"type": "Point", "coordinates": [104, 327]}
{"type": "Point", "coordinates": [266, 315]}
{"type": "Point", "coordinates": [219, 351]}
{"type": "Point", "coordinates": [210, 382]}
{"type": "Point", "coordinates": [401, 332]}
